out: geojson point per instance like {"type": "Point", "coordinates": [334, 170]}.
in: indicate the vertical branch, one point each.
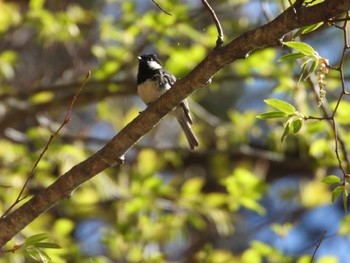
{"type": "Point", "coordinates": [339, 141]}
{"type": "Point", "coordinates": [340, 150]}
{"type": "Point", "coordinates": [220, 40]}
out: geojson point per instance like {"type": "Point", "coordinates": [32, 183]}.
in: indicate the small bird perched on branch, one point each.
{"type": "Point", "coordinates": [152, 82]}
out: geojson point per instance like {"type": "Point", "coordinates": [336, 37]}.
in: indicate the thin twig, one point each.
{"type": "Point", "coordinates": [161, 8]}
{"type": "Point", "coordinates": [318, 245]}
{"type": "Point", "coordinates": [344, 92]}
{"type": "Point", "coordinates": [67, 118]}
{"type": "Point", "coordinates": [220, 40]}
{"type": "Point", "coordinates": [341, 151]}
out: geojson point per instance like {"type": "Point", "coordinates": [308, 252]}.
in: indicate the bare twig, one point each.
{"type": "Point", "coordinates": [161, 8]}
{"type": "Point", "coordinates": [343, 93]}
{"type": "Point", "coordinates": [67, 118]}
{"type": "Point", "coordinates": [340, 150]}
{"type": "Point", "coordinates": [318, 245]}
{"type": "Point", "coordinates": [220, 40]}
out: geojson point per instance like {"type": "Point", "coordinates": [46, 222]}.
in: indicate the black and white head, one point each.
{"type": "Point", "coordinates": [148, 66]}
{"type": "Point", "coordinates": [149, 61]}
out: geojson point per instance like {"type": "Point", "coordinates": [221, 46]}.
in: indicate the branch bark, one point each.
{"type": "Point", "coordinates": [111, 154]}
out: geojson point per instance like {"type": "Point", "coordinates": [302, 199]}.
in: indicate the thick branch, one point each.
{"type": "Point", "coordinates": [267, 35]}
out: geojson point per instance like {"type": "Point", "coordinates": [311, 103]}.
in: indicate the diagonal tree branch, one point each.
{"type": "Point", "coordinates": [111, 154]}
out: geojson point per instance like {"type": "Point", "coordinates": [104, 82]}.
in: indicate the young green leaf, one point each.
{"type": "Point", "coordinates": [38, 254]}
{"type": "Point", "coordinates": [303, 70]}
{"type": "Point", "coordinates": [36, 238]}
{"type": "Point", "coordinates": [311, 28]}
{"type": "Point", "coordinates": [345, 200]}
{"type": "Point", "coordinates": [286, 131]}
{"type": "Point", "coordinates": [291, 56]}
{"type": "Point", "coordinates": [313, 67]}
{"type": "Point", "coordinates": [47, 245]}
{"type": "Point", "coordinates": [331, 179]}
{"type": "Point", "coordinates": [336, 192]}
{"type": "Point", "coordinates": [301, 47]}
{"type": "Point", "coordinates": [296, 125]}
{"type": "Point", "coordinates": [307, 29]}
{"type": "Point", "coordinates": [272, 115]}
{"type": "Point", "coordinates": [281, 105]}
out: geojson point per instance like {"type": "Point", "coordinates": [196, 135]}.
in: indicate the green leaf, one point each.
{"type": "Point", "coordinates": [311, 28]}
{"type": "Point", "coordinates": [286, 132]}
{"type": "Point", "coordinates": [307, 29]}
{"type": "Point", "coordinates": [303, 70]}
{"type": "Point", "coordinates": [38, 254]}
{"type": "Point", "coordinates": [313, 67]}
{"type": "Point", "coordinates": [291, 56]}
{"type": "Point", "coordinates": [346, 195]}
{"type": "Point", "coordinates": [272, 115]}
{"type": "Point", "coordinates": [331, 179]}
{"type": "Point", "coordinates": [345, 200]}
{"type": "Point", "coordinates": [36, 238]}
{"type": "Point", "coordinates": [47, 245]}
{"type": "Point", "coordinates": [301, 47]}
{"type": "Point", "coordinates": [281, 105]}
{"type": "Point", "coordinates": [336, 192]}
{"type": "Point", "coordinates": [296, 125]}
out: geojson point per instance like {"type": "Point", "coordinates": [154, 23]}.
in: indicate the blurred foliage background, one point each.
{"type": "Point", "coordinates": [243, 196]}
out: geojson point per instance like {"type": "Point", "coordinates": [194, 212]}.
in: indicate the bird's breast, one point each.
{"type": "Point", "coordinates": [149, 91]}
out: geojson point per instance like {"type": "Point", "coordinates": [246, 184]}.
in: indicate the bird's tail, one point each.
{"type": "Point", "coordinates": [186, 127]}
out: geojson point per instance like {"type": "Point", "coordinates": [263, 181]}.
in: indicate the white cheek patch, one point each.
{"type": "Point", "coordinates": [154, 65]}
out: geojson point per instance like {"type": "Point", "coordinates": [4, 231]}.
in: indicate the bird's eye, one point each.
{"type": "Point", "coordinates": [155, 77]}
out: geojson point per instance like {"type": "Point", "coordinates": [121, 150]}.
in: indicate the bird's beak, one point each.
{"type": "Point", "coordinates": [139, 58]}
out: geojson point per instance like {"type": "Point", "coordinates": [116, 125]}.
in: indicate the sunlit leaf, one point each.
{"type": "Point", "coordinates": [301, 47]}
{"type": "Point", "coordinates": [291, 56]}
{"type": "Point", "coordinates": [281, 105]}
{"type": "Point", "coordinates": [345, 197]}
{"type": "Point", "coordinates": [307, 29]}
{"type": "Point", "coordinates": [36, 238]}
{"type": "Point", "coordinates": [314, 65]}
{"type": "Point", "coordinates": [296, 125]}
{"type": "Point", "coordinates": [272, 115]}
{"type": "Point", "coordinates": [38, 254]}
{"type": "Point", "coordinates": [331, 179]}
{"type": "Point", "coordinates": [285, 132]}
{"type": "Point", "coordinates": [47, 245]}
{"type": "Point", "coordinates": [336, 192]}
{"type": "Point", "coordinates": [303, 71]}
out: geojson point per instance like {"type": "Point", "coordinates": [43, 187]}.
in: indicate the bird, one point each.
{"type": "Point", "coordinates": [152, 82]}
